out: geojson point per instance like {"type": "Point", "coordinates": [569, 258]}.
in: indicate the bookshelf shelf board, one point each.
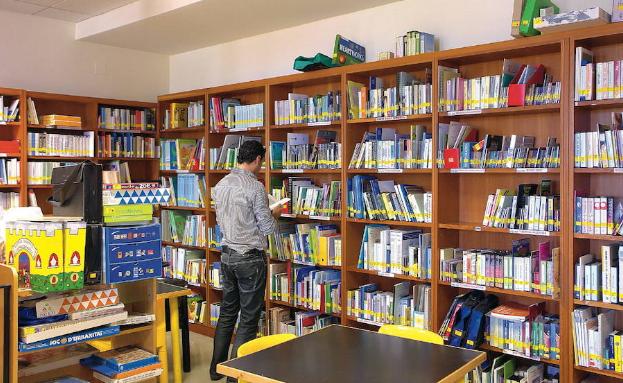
{"type": "Point", "coordinates": [597, 371]}
{"type": "Point", "coordinates": [12, 124]}
{"type": "Point", "coordinates": [480, 227]}
{"type": "Point", "coordinates": [500, 171]}
{"type": "Point", "coordinates": [180, 245]}
{"type": "Point", "coordinates": [136, 131]}
{"type": "Point", "coordinates": [33, 186]}
{"type": "Point", "coordinates": [197, 285]}
{"type": "Point", "coordinates": [174, 172]}
{"type": "Point", "coordinates": [310, 217]}
{"type": "Point", "coordinates": [600, 104]}
{"type": "Point", "coordinates": [194, 129]}
{"type": "Point", "coordinates": [389, 222]}
{"type": "Point", "coordinates": [306, 171]}
{"type": "Point", "coordinates": [59, 128]}
{"type": "Point", "coordinates": [9, 186]}
{"type": "Point", "coordinates": [389, 275]}
{"type": "Point", "coordinates": [201, 328]}
{"type": "Point", "coordinates": [598, 170]}
{"type": "Point", "coordinates": [599, 304]}
{"type": "Point", "coordinates": [334, 267]}
{"type": "Point", "coordinates": [60, 158]}
{"type": "Point", "coordinates": [547, 108]}
{"type": "Point", "coordinates": [389, 171]}
{"type": "Point", "coordinates": [312, 125]}
{"type": "Point", "coordinates": [288, 304]}
{"type": "Point", "coordinates": [488, 347]}
{"type": "Point", "coordinates": [379, 120]}
{"type": "Point", "coordinates": [214, 250]}
{"type": "Point", "coordinates": [496, 290]}
{"type": "Point", "coordinates": [599, 237]}
{"type": "Point", "coordinates": [184, 208]}
{"type": "Point", "coordinates": [239, 131]}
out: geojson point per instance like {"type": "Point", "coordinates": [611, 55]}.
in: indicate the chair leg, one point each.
{"type": "Point", "coordinates": [185, 334]}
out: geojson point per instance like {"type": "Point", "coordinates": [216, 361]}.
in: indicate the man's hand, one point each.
{"type": "Point", "coordinates": [277, 211]}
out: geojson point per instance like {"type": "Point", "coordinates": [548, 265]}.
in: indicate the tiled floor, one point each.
{"type": "Point", "coordinates": [200, 357]}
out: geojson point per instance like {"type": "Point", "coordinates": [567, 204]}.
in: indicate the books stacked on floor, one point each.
{"type": "Point", "coordinates": [307, 198]}
{"type": "Point", "coordinates": [56, 320]}
{"type": "Point", "coordinates": [126, 119]}
{"type": "Point", "coordinates": [225, 156]}
{"type": "Point", "coordinates": [10, 112]}
{"type": "Point", "coordinates": [409, 96]}
{"type": "Point", "coordinates": [186, 264]}
{"type": "Point", "coordinates": [63, 145]}
{"type": "Point", "coordinates": [184, 115]}
{"type": "Point", "coordinates": [520, 269]}
{"type": "Point", "coordinates": [532, 207]}
{"type": "Point", "coordinates": [407, 304]}
{"type": "Point", "coordinates": [598, 215]}
{"type": "Point", "coordinates": [601, 147]}
{"type": "Point", "coordinates": [600, 279]}
{"type": "Point", "coordinates": [126, 145]}
{"type": "Point", "coordinates": [183, 227]}
{"type": "Point", "coordinates": [371, 198]}
{"type": "Point", "coordinates": [230, 114]}
{"type": "Point", "coordinates": [596, 342]}
{"type": "Point", "coordinates": [518, 85]}
{"type": "Point", "coordinates": [596, 80]}
{"type": "Point", "coordinates": [40, 172]}
{"type": "Point", "coordinates": [196, 309]}
{"type": "Point", "coordinates": [310, 243]}
{"type": "Point", "coordinates": [39, 362]}
{"type": "Point", "coordinates": [282, 321]}
{"type": "Point", "coordinates": [388, 149]}
{"type": "Point", "coordinates": [304, 109]}
{"type": "Point", "coordinates": [123, 365]}
{"type": "Point", "coordinates": [187, 190]}
{"type": "Point", "coordinates": [414, 43]}
{"type": "Point", "coordinates": [215, 236]}
{"type": "Point", "coordinates": [508, 369]}
{"type": "Point", "coordinates": [9, 171]}
{"type": "Point", "coordinates": [297, 153]}
{"type": "Point", "coordinates": [394, 251]}
{"type": "Point", "coordinates": [182, 154]}
{"type": "Point", "coordinates": [9, 200]}
{"type": "Point", "coordinates": [215, 275]}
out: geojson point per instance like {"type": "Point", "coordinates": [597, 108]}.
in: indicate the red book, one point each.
{"type": "Point", "coordinates": [9, 147]}
{"type": "Point", "coordinates": [451, 158]}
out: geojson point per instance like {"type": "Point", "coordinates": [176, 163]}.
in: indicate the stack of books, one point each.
{"type": "Point", "coordinates": [188, 190]}
{"type": "Point", "coordinates": [126, 119]}
{"type": "Point", "coordinates": [123, 365]}
{"type": "Point", "coordinates": [598, 215]}
{"type": "Point", "coordinates": [61, 121]}
{"type": "Point", "coordinates": [414, 43]}
{"type": "Point", "coordinates": [304, 109]}
{"type": "Point", "coordinates": [310, 244]}
{"type": "Point", "coordinates": [183, 227]}
{"type": "Point", "coordinates": [226, 156]}
{"type": "Point", "coordinates": [215, 275]}
{"type": "Point", "coordinates": [596, 342]}
{"type": "Point", "coordinates": [126, 145]}
{"type": "Point", "coordinates": [62, 145]}
{"type": "Point", "coordinates": [185, 264]}
{"type": "Point", "coordinates": [9, 113]}
{"type": "Point", "coordinates": [182, 154]}
{"type": "Point", "coordinates": [601, 147]}
{"type": "Point", "coordinates": [600, 279]}
{"type": "Point", "coordinates": [298, 153]}
{"type": "Point", "coordinates": [371, 198]}
{"type": "Point", "coordinates": [230, 114]}
{"type": "Point", "coordinates": [184, 115]}
{"type": "Point", "coordinates": [387, 149]}
{"type": "Point", "coordinates": [307, 198]}
{"type": "Point", "coordinates": [394, 251]}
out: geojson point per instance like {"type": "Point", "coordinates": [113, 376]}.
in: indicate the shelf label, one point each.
{"type": "Point", "coordinates": [460, 170]}
{"type": "Point", "coordinates": [239, 130]}
{"type": "Point", "coordinates": [465, 112]}
{"type": "Point", "coordinates": [384, 274]}
{"type": "Point", "coordinates": [182, 171]}
{"type": "Point", "coordinates": [292, 171]}
{"type": "Point", "coordinates": [319, 217]}
{"type": "Point", "coordinates": [617, 170]}
{"type": "Point", "coordinates": [515, 353]}
{"type": "Point", "coordinates": [531, 170]}
{"type": "Point", "coordinates": [468, 286]}
{"type": "Point", "coordinates": [319, 123]}
{"type": "Point", "coordinates": [477, 228]}
{"type": "Point", "coordinates": [361, 320]}
{"type": "Point", "coordinates": [529, 232]}
{"type": "Point", "coordinates": [380, 119]}
{"type": "Point", "coordinates": [288, 215]}
{"type": "Point", "coordinates": [389, 170]}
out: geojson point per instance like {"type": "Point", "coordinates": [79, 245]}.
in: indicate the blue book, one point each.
{"type": "Point", "coordinates": [65, 340]}
{"type": "Point", "coordinates": [466, 155]}
{"type": "Point", "coordinates": [119, 360]}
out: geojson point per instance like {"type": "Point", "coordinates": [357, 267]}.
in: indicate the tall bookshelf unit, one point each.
{"type": "Point", "coordinates": [459, 197]}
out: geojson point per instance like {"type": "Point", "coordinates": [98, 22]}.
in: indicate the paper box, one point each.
{"type": "Point", "coordinates": [72, 303]}
{"type": "Point", "coordinates": [571, 20]}
{"type": "Point", "coordinates": [74, 242]}
{"type": "Point", "coordinates": [135, 193]}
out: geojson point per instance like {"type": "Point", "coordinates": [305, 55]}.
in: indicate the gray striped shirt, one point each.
{"type": "Point", "coordinates": [242, 211]}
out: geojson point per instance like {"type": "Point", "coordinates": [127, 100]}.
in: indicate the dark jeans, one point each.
{"type": "Point", "coordinates": [243, 278]}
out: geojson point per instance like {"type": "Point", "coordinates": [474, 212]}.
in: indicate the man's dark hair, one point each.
{"type": "Point", "coordinates": [249, 151]}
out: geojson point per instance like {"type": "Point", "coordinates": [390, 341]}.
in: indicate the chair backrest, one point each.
{"type": "Point", "coordinates": [411, 333]}
{"type": "Point", "coordinates": [262, 343]}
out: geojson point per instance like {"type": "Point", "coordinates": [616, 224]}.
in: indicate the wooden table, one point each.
{"type": "Point", "coordinates": [345, 354]}
{"type": "Point", "coordinates": [172, 293]}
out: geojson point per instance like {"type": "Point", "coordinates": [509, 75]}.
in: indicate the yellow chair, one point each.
{"type": "Point", "coordinates": [411, 333]}
{"type": "Point", "coordinates": [262, 343]}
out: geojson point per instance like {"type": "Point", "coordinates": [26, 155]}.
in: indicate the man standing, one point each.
{"type": "Point", "coordinates": [245, 220]}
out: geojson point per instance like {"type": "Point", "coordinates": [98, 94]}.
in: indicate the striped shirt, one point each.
{"type": "Point", "coordinates": [242, 211]}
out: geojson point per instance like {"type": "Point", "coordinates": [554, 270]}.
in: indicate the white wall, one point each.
{"type": "Point", "coordinates": [41, 54]}
{"type": "Point", "coordinates": [456, 23]}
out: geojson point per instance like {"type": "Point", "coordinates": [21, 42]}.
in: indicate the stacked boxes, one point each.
{"type": "Point", "coordinates": [132, 253]}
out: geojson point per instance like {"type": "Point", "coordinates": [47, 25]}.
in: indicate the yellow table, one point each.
{"type": "Point", "coordinates": [172, 293]}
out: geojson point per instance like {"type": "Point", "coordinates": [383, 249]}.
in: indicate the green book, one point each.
{"type": "Point", "coordinates": [347, 52]}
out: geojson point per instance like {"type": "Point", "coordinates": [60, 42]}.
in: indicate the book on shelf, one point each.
{"type": "Point", "coordinates": [9, 200]}
{"type": "Point", "coordinates": [126, 118]}
{"type": "Point", "coordinates": [182, 154]}
{"type": "Point", "coordinates": [407, 304]}
{"type": "Point", "coordinates": [186, 190]}
{"type": "Point", "coordinates": [96, 312]}
{"type": "Point", "coordinates": [33, 118]}
{"type": "Point", "coordinates": [215, 236]}
{"type": "Point", "coordinates": [283, 321]}
{"type": "Point", "coordinates": [135, 319]}
{"type": "Point", "coordinates": [66, 340]}
{"type": "Point", "coordinates": [180, 115]}
{"type": "Point", "coordinates": [215, 275]}
{"type": "Point", "coordinates": [387, 149]}
{"type": "Point", "coordinates": [307, 198]}
{"type": "Point", "coordinates": [122, 359]}
{"type": "Point", "coordinates": [195, 304]}
{"type": "Point", "coordinates": [509, 369]}
{"type": "Point", "coordinates": [596, 342]}
{"type": "Point", "coordinates": [408, 96]}
{"type": "Point", "coordinates": [601, 147]}
{"type": "Point", "coordinates": [600, 278]}
{"type": "Point", "coordinates": [62, 145]}
{"type": "Point", "coordinates": [9, 148]}
{"type": "Point", "coordinates": [231, 114]}
{"type": "Point", "coordinates": [518, 269]}
{"type": "Point", "coordinates": [185, 264]}
{"type": "Point", "coordinates": [66, 303]}
{"type": "Point", "coordinates": [306, 243]}
{"type": "Point", "coordinates": [394, 251]}
{"type": "Point", "coordinates": [414, 43]}
{"type": "Point", "coordinates": [9, 171]}
{"type": "Point", "coordinates": [9, 112]}
{"type": "Point", "coordinates": [138, 377]}
{"type": "Point", "coordinates": [183, 227]}
{"type": "Point", "coordinates": [40, 172]}
{"type": "Point", "coordinates": [40, 362]}
{"type": "Point", "coordinates": [61, 121]}
{"type": "Point", "coordinates": [226, 156]}
{"type": "Point", "coordinates": [304, 109]}
{"type": "Point", "coordinates": [126, 145]}
{"type": "Point", "coordinates": [297, 153]}
{"type": "Point", "coordinates": [371, 198]}
{"type": "Point", "coordinates": [598, 215]}
{"type": "Point", "coordinates": [215, 311]}
{"type": "Point", "coordinates": [531, 207]}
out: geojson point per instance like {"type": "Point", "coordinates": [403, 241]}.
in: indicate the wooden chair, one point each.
{"type": "Point", "coordinates": [411, 333]}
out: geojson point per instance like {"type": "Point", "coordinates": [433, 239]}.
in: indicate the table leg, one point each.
{"type": "Point", "coordinates": [185, 334]}
{"type": "Point", "coordinates": [175, 340]}
{"type": "Point", "coordinates": [161, 340]}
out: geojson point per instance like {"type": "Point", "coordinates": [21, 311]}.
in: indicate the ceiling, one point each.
{"type": "Point", "coordinates": [67, 10]}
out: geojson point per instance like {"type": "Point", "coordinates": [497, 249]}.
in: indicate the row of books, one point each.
{"type": "Point", "coordinates": [40, 172]}
{"type": "Point", "coordinates": [394, 251]}
{"type": "Point", "coordinates": [215, 236]}
{"type": "Point", "coordinates": [9, 171]}
{"type": "Point", "coordinates": [308, 243]}
{"type": "Point", "coordinates": [126, 119]}
{"type": "Point", "coordinates": [226, 156]}
{"type": "Point", "coordinates": [65, 145]}
{"type": "Point", "coordinates": [371, 198]}
{"type": "Point", "coordinates": [182, 154]}
{"type": "Point", "coordinates": [230, 114]}
{"type": "Point", "coordinates": [596, 342]}
{"type": "Point", "coordinates": [596, 80]}
{"type": "Point", "coordinates": [598, 215]}
{"type": "Point", "coordinates": [9, 113]}
{"type": "Point", "coordinates": [308, 199]}
{"type": "Point", "coordinates": [183, 227]}
{"type": "Point", "coordinates": [387, 149]}
{"type": "Point", "coordinates": [409, 96]}
{"type": "Point", "coordinates": [9, 200]}
{"type": "Point", "coordinates": [600, 279]}
{"type": "Point", "coordinates": [187, 190]}
{"type": "Point", "coordinates": [520, 269]}
{"type": "Point", "coordinates": [304, 109]}
{"type": "Point", "coordinates": [532, 207]}
{"type": "Point", "coordinates": [215, 275]}
{"type": "Point", "coordinates": [184, 115]}
{"type": "Point", "coordinates": [508, 369]}
{"type": "Point", "coordinates": [307, 287]}
{"type": "Point", "coordinates": [414, 43]}
{"type": "Point", "coordinates": [196, 309]}
{"type": "Point", "coordinates": [298, 153]}
{"type": "Point", "coordinates": [407, 305]}
{"type": "Point", "coordinates": [281, 320]}
{"type": "Point", "coordinates": [599, 149]}
{"type": "Point", "coordinates": [185, 264]}
{"type": "Point", "coordinates": [126, 145]}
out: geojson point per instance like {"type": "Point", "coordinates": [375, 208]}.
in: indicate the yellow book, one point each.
{"type": "Point", "coordinates": [323, 250]}
{"type": "Point", "coordinates": [618, 365]}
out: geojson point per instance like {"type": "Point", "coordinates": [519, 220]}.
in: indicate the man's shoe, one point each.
{"type": "Point", "coordinates": [216, 376]}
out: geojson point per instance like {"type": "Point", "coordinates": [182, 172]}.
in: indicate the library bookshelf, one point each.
{"type": "Point", "coordinates": [459, 197]}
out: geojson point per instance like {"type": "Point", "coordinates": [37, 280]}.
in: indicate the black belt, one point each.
{"type": "Point", "coordinates": [253, 252]}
